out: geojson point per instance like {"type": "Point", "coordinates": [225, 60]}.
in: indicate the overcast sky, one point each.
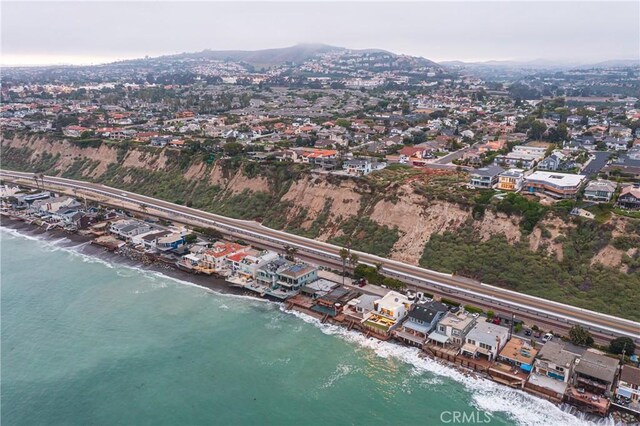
{"type": "Point", "coordinates": [93, 32]}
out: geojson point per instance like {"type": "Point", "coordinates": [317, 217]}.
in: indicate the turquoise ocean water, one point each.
{"type": "Point", "coordinates": [89, 342]}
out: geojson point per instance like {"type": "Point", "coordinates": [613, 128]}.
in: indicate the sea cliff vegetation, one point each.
{"type": "Point", "coordinates": [416, 216]}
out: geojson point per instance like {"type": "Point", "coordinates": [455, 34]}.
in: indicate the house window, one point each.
{"type": "Point", "coordinates": [441, 328]}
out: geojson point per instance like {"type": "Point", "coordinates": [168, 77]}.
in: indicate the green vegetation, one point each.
{"type": "Point", "coordinates": [449, 302]}
{"type": "Point", "coordinates": [473, 309]}
{"type": "Point", "coordinates": [373, 276]}
{"type": "Point", "coordinates": [363, 234]}
{"type": "Point", "coordinates": [622, 344]}
{"type": "Point", "coordinates": [580, 336]}
{"type": "Point", "coordinates": [518, 268]}
{"type": "Point", "coordinates": [530, 210]}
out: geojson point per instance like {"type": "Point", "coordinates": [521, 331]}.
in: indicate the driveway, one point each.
{"type": "Point", "coordinates": [594, 166]}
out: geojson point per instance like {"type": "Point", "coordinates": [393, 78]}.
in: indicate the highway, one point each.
{"type": "Point", "coordinates": [556, 315]}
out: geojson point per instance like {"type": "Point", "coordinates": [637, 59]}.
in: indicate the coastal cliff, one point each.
{"type": "Point", "coordinates": [416, 216]}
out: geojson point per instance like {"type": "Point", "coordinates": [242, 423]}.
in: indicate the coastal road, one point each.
{"type": "Point", "coordinates": [554, 314]}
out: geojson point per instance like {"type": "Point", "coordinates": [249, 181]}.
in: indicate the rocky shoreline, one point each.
{"type": "Point", "coordinates": [121, 256]}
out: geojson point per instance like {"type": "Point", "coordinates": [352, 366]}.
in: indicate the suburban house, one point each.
{"type": "Point", "coordinates": [600, 190]}
{"type": "Point", "coordinates": [629, 386]}
{"type": "Point", "coordinates": [420, 321]}
{"type": "Point", "coordinates": [452, 329]}
{"type": "Point", "coordinates": [362, 166]}
{"type": "Point", "coordinates": [553, 162]}
{"type": "Point", "coordinates": [511, 180]}
{"type": "Point", "coordinates": [413, 154]}
{"type": "Point", "coordinates": [523, 156]}
{"type": "Point", "coordinates": [387, 313]}
{"type": "Point", "coordinates": [318, 154]}
{"type": "Point", "coordinates": [556, 185]}
{"type": "Point", "coordinates": [485, 339]}
{"type": "Point", "coordinates": [485, 177]}
{"type": "Point", "coordinates": [74, 131]}
{"type": "Point", "coordinates": [629, 197]}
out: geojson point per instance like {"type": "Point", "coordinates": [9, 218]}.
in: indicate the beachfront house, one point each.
{"type": "Point", "coordinates": [420, 321]}
{"type": "Point", "coordinates": [318, 288]}
{"type": "Point", "coordinates": [127, 229]}
{"type": "Point", "coordinates": [282, 278]}
{"type": "Point", "coordinates": [485, 339]}
{"type": "Point", "coordinates": [552, 370]}
{"type": "Point", "coordinates": [358, 308]}
{"type": "Point", "coordinates": [595, 372]}
{"type": "Point", "coordinates": [628, 387]}
{"type": "Point", "coordinates": [53, 204]}
{"type": "Point", "coordinates": [214, 260]}
{"type": "Point", "coordinates": [452, 329]}
{"type": "Point", "coordinates": [519, 353]}
{"type": "Point", "coordinates": [592, 381]}
{"type": "Point", "coordinates": [388, 312]}
{"type": "Point", "coordinates": [332, 303]}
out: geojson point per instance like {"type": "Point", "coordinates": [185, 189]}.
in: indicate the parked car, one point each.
{"type": "Point", "coordinates": [547, 337]}
{"type": "Point", "coordinates": [537, 334]}
{"type": "Point", "coordinates": [527, 332]}
{"type": "Point", "coordinates": [496, 320]}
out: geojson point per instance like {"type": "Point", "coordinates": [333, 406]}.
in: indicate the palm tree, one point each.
{"type": "Point", "coordinates": [35, 177]}
{"type": "Point", "coordinates": [353, 260]}
{"type": "Point", "coordinates": [344, 255]}
{"type": "Point", "coordinates": [42, 179]}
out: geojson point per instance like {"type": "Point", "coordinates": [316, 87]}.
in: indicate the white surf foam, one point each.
{"type": "Point", "coordinates": [487, 395]}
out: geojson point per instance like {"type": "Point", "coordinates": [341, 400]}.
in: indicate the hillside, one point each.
{"type": "Point", "coordinates": [407, 214]}
{"type": "Point", "coordinates": [297, 54]}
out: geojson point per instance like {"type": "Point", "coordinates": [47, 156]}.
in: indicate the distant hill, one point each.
{"type": "Point", "coordinates": [542, 64]}
{"type": "Point", "coordinates": [297, 54]}
{"type": "Point", "coordinates": [272, 57]}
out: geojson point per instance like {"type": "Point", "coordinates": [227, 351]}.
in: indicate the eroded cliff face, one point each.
{"type": "Point", "coordinates": [316, 205]}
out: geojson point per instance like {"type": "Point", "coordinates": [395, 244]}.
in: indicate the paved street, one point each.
{"type": "Point", "coordinates": [595, 165]}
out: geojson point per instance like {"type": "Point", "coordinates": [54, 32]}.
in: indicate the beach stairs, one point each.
{"type": "Point", "coordinates": [351, 324]}
{"type": "Point", "coordinates": [324, 318]}
{"type": "Point", "coordinates": [289, 306]}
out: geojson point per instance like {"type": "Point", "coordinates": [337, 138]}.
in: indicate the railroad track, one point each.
{"type": "Point", "coordinates": [501, 300]}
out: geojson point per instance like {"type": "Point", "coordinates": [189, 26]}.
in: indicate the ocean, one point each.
{"type": "Point", "coordinates": [92, 341]}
